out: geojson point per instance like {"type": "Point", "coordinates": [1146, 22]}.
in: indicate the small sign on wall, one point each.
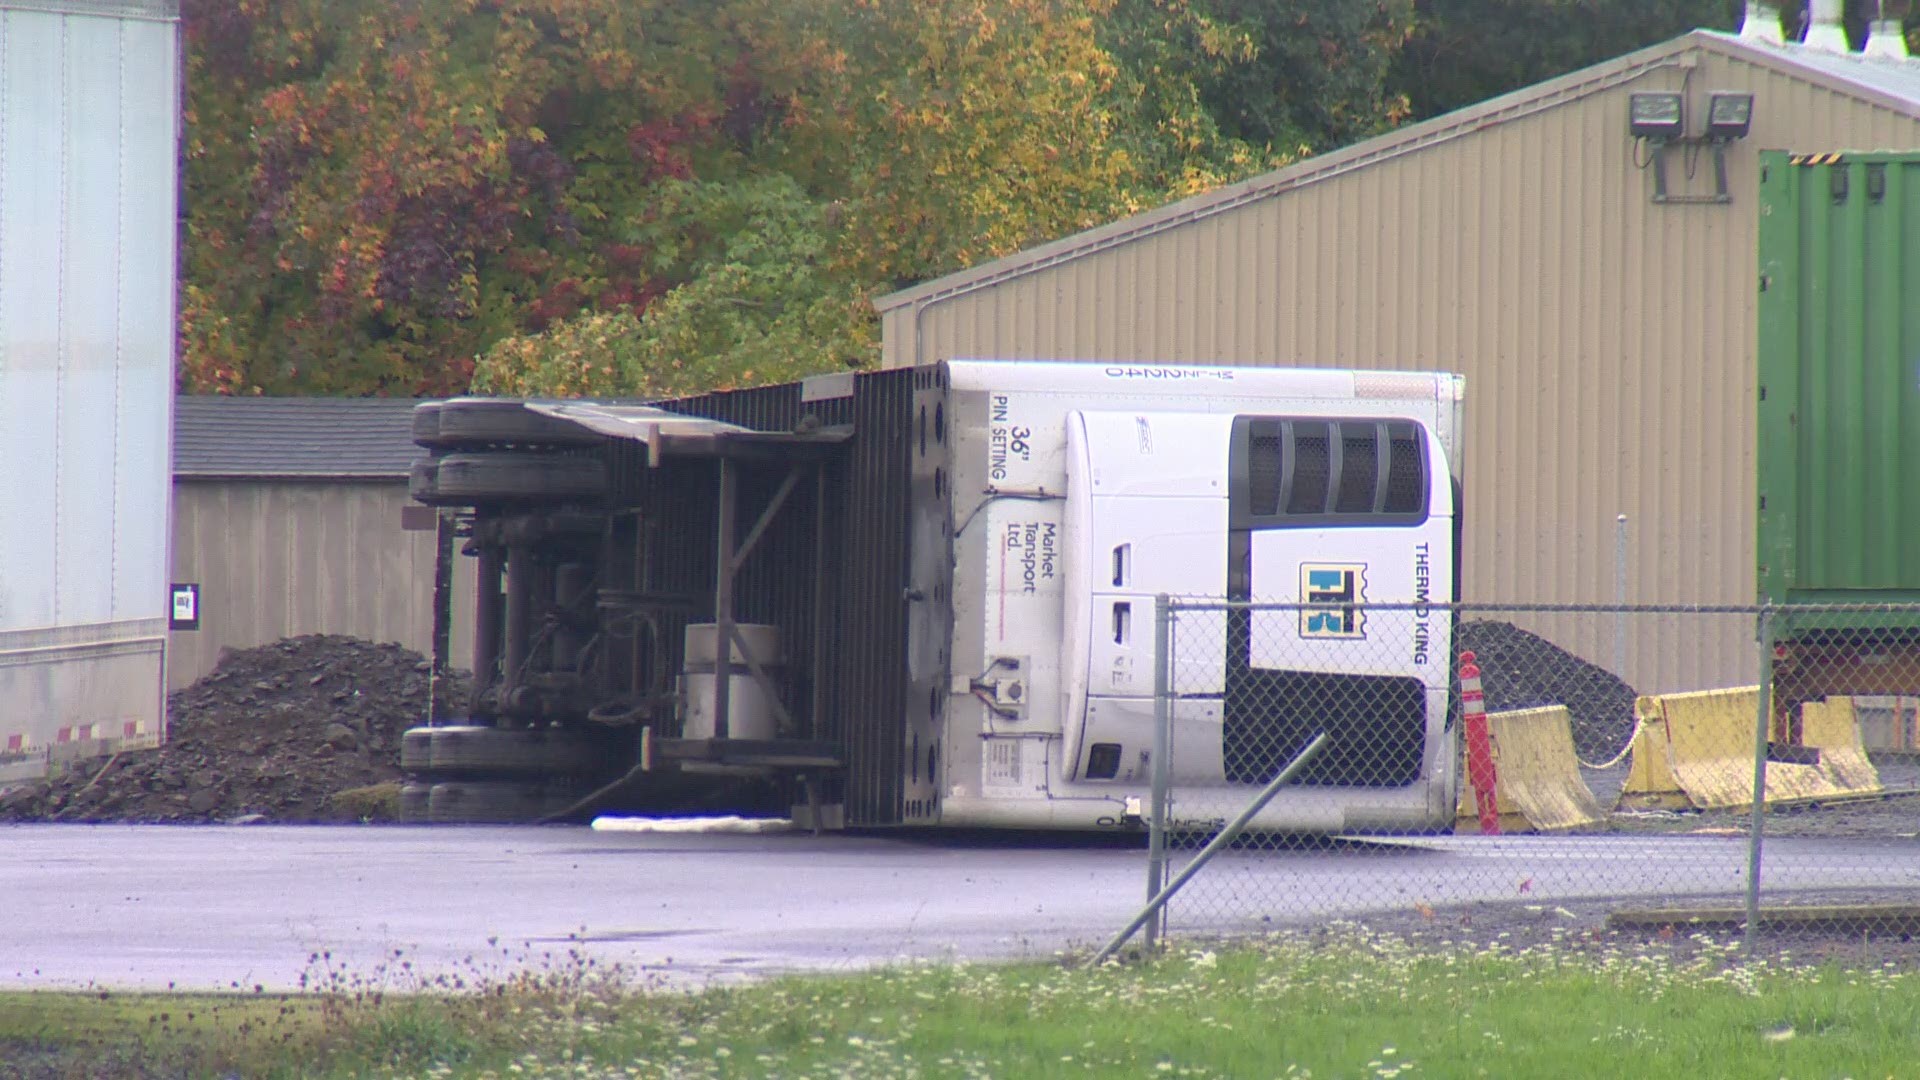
{"type": "Point", "coordinates": [185, 607]}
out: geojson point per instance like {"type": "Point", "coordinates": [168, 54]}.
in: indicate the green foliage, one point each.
{"type": "Point", "coordinates": [762, 304]}
{"type": "Point", "coordinates": [1293, 77]}
{"type": "Point", "coordinates": [1466, 51]}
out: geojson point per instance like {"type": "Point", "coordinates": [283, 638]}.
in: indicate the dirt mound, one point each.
{"type": "Point", "coordinates": [1519, 670]}
{"type": "Point", "coordinates": [272, 731]}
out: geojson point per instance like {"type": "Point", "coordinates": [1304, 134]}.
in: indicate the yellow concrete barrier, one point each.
{"type": "Point", "coordinates": [1696, 750]}
{"type": "Point", "coordinates": [1651, 784]}
{"type": "Point", "coordinates": [1539, 786]}
{"type": "Point", "coordinates": [1834, 727]}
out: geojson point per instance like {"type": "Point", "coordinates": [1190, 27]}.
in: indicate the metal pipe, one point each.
{"type": "Point", "coordinates": [615, 670]}
{"type": "Point", "coordinates": [1162, 743]}
{"type": "Point", "coordinates": [1762, 725]}
{"type": "Point", "coordinates": [1620, 598]}
{"type": "Point", "coordinates": [818, 655]}
{"type": "Point", "coordinates": [488, 613]}
{"type": "Point", "coordinates": [641, 681]}
{"type": "Point", "coordinates": [442, 615]}
{"type": "Point", "coordinates": [1227, 836]}
{"type": "Point", "coordinates": [518, 617]}
{"type": "Point", "coordinates": [570, 582]}
{"type": "Point", "coordinates": [723, 604]}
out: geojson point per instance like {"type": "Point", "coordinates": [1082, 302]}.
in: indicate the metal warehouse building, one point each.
{"type": "Point", "coordinates": [287, 514]}
{"type": "Point", "coordinates": [1606, 332]}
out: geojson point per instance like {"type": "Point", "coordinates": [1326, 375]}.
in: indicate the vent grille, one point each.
{"type": "Point", "coordinates": [1263, 473]}
{"type": "Point", "coordinates": [1319, 472]}
{"type": "Point", "coordinates": [1406, 474]}
{"type": "Point", "coordinates": [1312, 467]}
{"type": "Point", "coordinates": [1359, 469]}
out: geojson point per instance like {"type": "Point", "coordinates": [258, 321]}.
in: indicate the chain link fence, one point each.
{"type": "Point", "coordinates": [1495, 766]}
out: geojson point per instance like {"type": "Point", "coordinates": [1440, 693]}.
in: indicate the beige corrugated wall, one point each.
{"type": "Point", "coordinates": [1608, 343]}
{"type": "Point", "coordinates": [278, 559]}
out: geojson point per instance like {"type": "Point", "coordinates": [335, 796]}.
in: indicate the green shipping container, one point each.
{"type": "Point", "coordinates": [1839, 408]}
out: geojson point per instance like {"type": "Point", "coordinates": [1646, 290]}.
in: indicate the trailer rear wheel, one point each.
{"type": "Point", "coordinates": [471, 479]}
{"type": "Point", "coordinates": [426, 425]}
{"type": "Point", "coordinates": [416, 749]}
{"type": "Point", "coordinates": [498, 802]}
{"type": "Point", "coordinates": [472, 750]}
{"type": "Point", "coordinates": [421, 480]}
{"type": "Point", "coordinates": [477, 422]}
{"type": "Point", "coordinates": [415, 798]}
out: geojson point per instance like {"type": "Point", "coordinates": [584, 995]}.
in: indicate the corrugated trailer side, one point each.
{"type": "Point", "coordinates": [1839, 433]}
{"type": "Point", "coordinates": [89, 136]}
{"type": "Point", "coordinates": [1839, 355]}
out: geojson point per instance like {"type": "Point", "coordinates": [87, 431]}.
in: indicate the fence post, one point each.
{"type": "Point", "coordinates": [1220, 842]}
{"type": "Point", "coordinates": [1162, 750]}
{"type": "Point", "coordinates": [1762, 725]}
{"type": "Point", "coordinates": [1620, 598]}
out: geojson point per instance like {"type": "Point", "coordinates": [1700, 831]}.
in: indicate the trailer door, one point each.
{"type": "Point", "coordinates": [1146, 514]}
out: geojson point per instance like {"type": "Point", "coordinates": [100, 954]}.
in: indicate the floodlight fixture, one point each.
{"type": "Point", "coordinates": [1659, 115]}
{"type": "Point", "coordinates": [1729, 115]}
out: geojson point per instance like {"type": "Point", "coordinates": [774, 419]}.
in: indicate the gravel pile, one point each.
{"type": "Point", "coordinates": [1519, 670]}
{"type": "Point", "coordinates": [273, 731]}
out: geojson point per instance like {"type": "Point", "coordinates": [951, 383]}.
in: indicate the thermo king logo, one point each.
{"type": "Point", "coordinates": [1334, 593]}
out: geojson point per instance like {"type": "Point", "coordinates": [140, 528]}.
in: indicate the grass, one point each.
{"type": "Point", "coordinates": [375, 802]}
{"type": "Point", "coordinates": [1340, 1004]}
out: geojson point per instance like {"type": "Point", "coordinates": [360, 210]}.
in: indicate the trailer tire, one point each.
{"type": "Point", "coordinates": [426, 425]}
{"type": "Point", "coordinates": [498, 802]}
{"type": "Point", "coordinates": [475, 751]}
{"type": "Point", "coordinates": [415, 803]}
{"type": "Point", "coordinates": [422, 480]}
{"type": "Point", "coordinates": [416, 749]}
{"type": "Point", "coordinates": [472, 479]}
{"type": "Point", "coordinates": [479, 422]}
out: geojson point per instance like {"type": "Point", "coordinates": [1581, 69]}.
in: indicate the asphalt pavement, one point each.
{"type": "Point", "coordinates": [224, 907]}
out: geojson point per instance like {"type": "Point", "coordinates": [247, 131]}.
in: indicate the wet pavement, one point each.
{"type": "Point", "coordinates": [212, 907]}
{"type": "Point", "coordinates": [224, 907]}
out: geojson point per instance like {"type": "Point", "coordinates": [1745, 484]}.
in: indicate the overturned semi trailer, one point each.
{"type": "Point", "coordinates": [925, 596]}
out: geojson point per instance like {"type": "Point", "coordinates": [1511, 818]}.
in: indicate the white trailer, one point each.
{"type": "Point", "coordinates": [1084, 490]}
{"type": "Point", "coordinates": [934, 592]}
{"type": "Point", "coordinates": [89, 136]}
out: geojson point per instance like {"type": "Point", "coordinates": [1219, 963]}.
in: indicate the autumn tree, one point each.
{"type": "Point", "coordinates": [649, 196]}
{"type": "Point", "coordinates": [377, 190]}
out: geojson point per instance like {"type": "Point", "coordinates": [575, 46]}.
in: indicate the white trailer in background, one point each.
{"type": "Point", "coordinates": [89, 166]}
